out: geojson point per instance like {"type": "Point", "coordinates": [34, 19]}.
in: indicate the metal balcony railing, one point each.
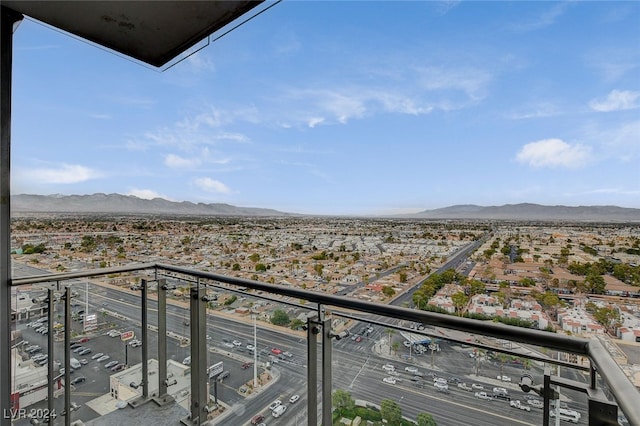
{"type": "Point", "coordinates": [606, 387]}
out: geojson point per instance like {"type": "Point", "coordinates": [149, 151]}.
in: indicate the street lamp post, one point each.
{"type": "Point", "coordinates": [255, 354]}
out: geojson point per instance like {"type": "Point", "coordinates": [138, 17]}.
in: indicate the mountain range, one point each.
{"type": "Point", "coordinates": [130, 204]}
{"type": "Point", "coordinates": [127, 204]}
{"type": "Point", "coordinates": [529, 211]}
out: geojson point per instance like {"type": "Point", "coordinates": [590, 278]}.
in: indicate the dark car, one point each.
{"type": "Point", "coordinates": [78, 379]}
{"type": "Point", "coordinates": [257, 419]}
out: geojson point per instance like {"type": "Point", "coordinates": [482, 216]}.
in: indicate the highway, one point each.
{"type": "Point", "coordinates": [356, 368]}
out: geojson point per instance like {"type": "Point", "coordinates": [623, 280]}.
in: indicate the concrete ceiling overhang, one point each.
{"type": "Point", "coordinates": [154, 32]}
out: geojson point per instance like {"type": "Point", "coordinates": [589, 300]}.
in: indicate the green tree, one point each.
{"type": "Point", "coordinates": [261, 267]}
{"type": "Point", "coordinates": [607, 316]}
{"type": "Point", "coordinates": [476, 287]}
{"type": "Point", "coordinates": [342, 400]}
{"type": "Point", "coordinates": [388, 291]}
{"type": "Point", "coordinates": [595, 283]}
{"type": "Point", "coordinates": [254, 257]}
{"type": "Point", "coordinates": [402, 276]}
{"type": "Point", "coordinates": [296, 324]}
{"type": "Point", "coordinates": [280, 317]}
{"type": "Point", "coordinates": [460, 301]}
{"type": "Point", "coordinates": [425, 419]}
{"type": "Point", "coordinates": [235, 267]}
{"type": "Point", "coordinates": [391, 412]}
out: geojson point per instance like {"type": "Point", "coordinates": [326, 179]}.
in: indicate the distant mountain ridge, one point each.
{"type": "Point", "coordinates": [128, 204]}
{"type": "Point", "coordinates": [529, 211]}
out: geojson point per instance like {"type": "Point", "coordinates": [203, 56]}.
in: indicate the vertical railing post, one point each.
{"type": "Point", "coordinates": [327, 369]}
{"type": "Point", "coordinates": [67, 352]}
{"type": "Point", "coordinates": [546, 397]}
{"type": "Point", "coordinates": [145, 340]}
{"type": "Point", "coordinates": [312, 370]}
{"type": "Point", "coordinates": [8, 19]}
{"type": "Point", "coordinates": [198, 327]}
{"type": "Point", "coordinates": [51, 352]}
{"type": "Point", "coordinates": [162, 398]}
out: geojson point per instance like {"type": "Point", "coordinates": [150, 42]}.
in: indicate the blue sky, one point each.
{"type": "Point", "coordinates": [347, 108]}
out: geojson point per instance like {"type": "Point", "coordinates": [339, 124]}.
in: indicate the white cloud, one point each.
{"type": "Point", "coordinates": [554, 153]}
{"type": "Point", "coordinates": [66, 174]}
{"type": "Point", "coordinates": [473, 82]}
{"type": "Point", "coordinates": [212, 185]}
{"type": "Point", "coordinates": [616, 100]}
{"type": "Point", "coordinates": [100, 116]}
{"type": "Point", "coordinates": [199, 62]}
{"type": "Point", "coordinates": [314, 121]}
{"type": "Point", "coordinates": [147, 194]}
{"type": "Point", "coordinates": [545, 19]}
{"type": "Point", "coordinates": [623, 141]}
{"type": "Point", "coordinates": [535, 111]}
{"type": "Point", "coordinates": [176, 162]}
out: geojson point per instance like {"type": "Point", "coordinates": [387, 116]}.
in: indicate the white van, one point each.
{"type": "Point", "coordinates": [75, 364]}
{"type": "Point", "coordinates": [187, 360]}
{"type": "Point", "coordinates": [279, 410]}
{"type": "Point", "coordinates": [567, 415]}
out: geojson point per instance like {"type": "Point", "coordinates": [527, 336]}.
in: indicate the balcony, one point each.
{"type": "Point", "coordinates": [210, 353]}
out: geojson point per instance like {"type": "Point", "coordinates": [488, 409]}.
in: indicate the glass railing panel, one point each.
{"type": "Point", "coordinates": [240, 319]}
{"type": "Point", "coordinates": [262, 347]}
{"type": "Point", "coordinates": [422, 373]}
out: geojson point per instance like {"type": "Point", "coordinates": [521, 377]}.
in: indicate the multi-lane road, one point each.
{"type": "Point", "coordinates": [356, 368]}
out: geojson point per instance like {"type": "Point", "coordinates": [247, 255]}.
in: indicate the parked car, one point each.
{"type": "Point", "coordinates": [390, 380]}
{"type": "Point", "coordinates": [516, 404]}
{"type": "Point", "coordinates": [276, 351]}
{"type": "Point", "coordinates": [78, 379]}
{"type": "Point", "coordinates": [483, 395]}
{"type": "Point", "coordinates": [117, 368]}
{"type": "Point", "coordinates": [85, 351]}
{"type": "Point", "coordinates": [500, 391]}
{"type": "Point", "coordinates": [464, 386]}
{"type": "Point", "coordinates": [274, 404]}
{"type": "Point", "coordinates": [294, 398]}
{"type": "Point", "coordinates": [279, 410]}
{"type": "Point", "coordinates": [441, 386]}
{"type": "Point", "coordinates": [412, 370]}
{"type": "Point", "coordinates": [103, 358]}
{"type": "Point", "coordinates": [247, 365]}
{"type": "Point", "coordinates": [98, 355]}
{"type": "Point", "coordinates": [477, 387]}
{"type": "Point", "coordinates": [535, 403]}
{"type": "Point", "coordinates": [504, 378]}
{"type": "Point", "coordinates": [257, 419]}
{"type": "Point", "coordinates": [110, 364]}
